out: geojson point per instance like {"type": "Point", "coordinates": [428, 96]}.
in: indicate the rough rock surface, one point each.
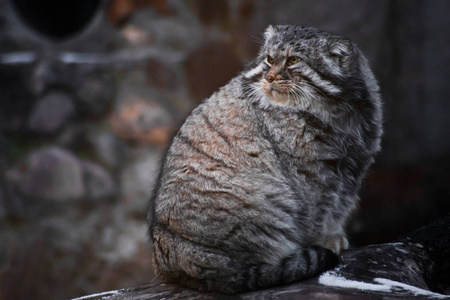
{"type": "Point", "coordinates": [51, 112]}
{"type": "Point", "coordinates": [99, 183]}
{"type": "Point", "coordinates": [414, 267]}
{"type": "Point", "coordinates": [50, 173]}
{"type": "Point", "coordinates": [53, 173]}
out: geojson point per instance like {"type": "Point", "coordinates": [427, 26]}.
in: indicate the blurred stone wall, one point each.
{"type": "Point", "coordinates": [84, 123]}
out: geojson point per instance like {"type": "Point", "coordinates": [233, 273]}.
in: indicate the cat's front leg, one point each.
{"type": "Point", "coordinates": [335, 242]}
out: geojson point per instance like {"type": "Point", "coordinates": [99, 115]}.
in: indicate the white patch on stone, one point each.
{"type": "Point", "coordinates": [415, 290]}
{"type": "Point", "coordinates": [331, 278]}
{"type": "Point", "coordinates": [104, 295]}
{"type": "Point", "coordinates": [18, 58]}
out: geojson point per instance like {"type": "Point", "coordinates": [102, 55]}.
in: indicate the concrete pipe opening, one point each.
{"type": "Point", "coordinates": [57, 20]}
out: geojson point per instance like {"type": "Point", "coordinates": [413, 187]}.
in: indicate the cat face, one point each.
{"type": "Point", "coordinates": [300, 68]}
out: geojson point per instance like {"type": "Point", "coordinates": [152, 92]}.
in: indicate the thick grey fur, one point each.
{"type": "Point", "coordinates": [255, 192]}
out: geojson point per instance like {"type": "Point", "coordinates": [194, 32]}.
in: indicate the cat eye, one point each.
{"type": "Point", "coordinates": [269, 60]}
{"type": "Point", "coordinates": [292, 60]}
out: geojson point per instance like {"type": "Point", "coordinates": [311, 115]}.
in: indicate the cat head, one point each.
{"type": "Point", "coordinates": [305, 69]}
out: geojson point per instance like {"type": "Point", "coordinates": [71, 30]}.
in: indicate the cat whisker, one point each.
{"type": "Point", "coordinates": [302, 96]}
{"type": "Point", "coordinates": [252, 91]}
{"type": "Point", "coordinates": [258, 40]}
{"type": "Point", "coordinates": [315, 89]}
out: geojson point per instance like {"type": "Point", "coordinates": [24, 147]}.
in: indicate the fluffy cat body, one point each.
{"type": "Point", "coordinates": [259, 181]}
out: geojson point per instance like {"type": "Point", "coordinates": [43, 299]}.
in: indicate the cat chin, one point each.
{"type": "Point", "coordinates": [279, 100]}
{"type": "Point", "coordinates": [268, 102]}
{"type": "Point", "coordinates": [283, 99]}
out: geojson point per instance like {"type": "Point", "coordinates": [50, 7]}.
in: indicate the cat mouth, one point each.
{"type": "Point", "coordinates": [278, 93]}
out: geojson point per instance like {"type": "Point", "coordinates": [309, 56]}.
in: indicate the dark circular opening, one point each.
{"type": "Point", "coordinates": [57, 20]}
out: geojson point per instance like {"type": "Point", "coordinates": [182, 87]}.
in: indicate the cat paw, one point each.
{"type": "Point", "coordinates": [336, 243]}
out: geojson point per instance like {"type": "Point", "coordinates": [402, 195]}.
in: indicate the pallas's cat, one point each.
{"type": "Point", "coordinates": [258, 183]}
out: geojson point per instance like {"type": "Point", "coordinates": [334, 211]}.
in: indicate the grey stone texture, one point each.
{"type": "Point", "coordinates": [49, 173]}
{"type": "Point", "coordinates": [55, 174]}
{"type": "Point", "coordinates": [97, 180]}
{"type": "Point", "coordinates": [51, 112]}
{"type": "Point", "coordinates": [110, 149]}
{"type": "Point", "coordinates": [138, 178]}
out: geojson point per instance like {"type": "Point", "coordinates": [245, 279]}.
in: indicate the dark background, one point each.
{"type": "Point", "coordinates": [91, 93]}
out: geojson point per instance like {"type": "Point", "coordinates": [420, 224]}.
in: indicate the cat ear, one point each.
{"type": "Point", "coordinates": [270, 31]}
{"type": "Point", "coordinates": [341, 50]}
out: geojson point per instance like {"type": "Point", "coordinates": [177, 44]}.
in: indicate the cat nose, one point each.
{"type": "Point", "coordinates": [276, 75]}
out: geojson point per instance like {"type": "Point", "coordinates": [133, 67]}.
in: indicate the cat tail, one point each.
{"type": "Point", "coordinates": [211, 269]}
{"type": "Point", "coordinates": [304, 263]}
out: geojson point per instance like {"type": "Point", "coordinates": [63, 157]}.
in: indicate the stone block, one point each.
{"type": "Point", "coordinates": [53, 173]}
{"type": "Point", "coordinates": [51, 112]}
{"type": "Point", "coordinates": [98, 181]}
{"type": "Point", "coordinates": [108, 147]}
{"type": "Point", "coordinates": [137, 179]}
{"type": "Point", "coordinates": [142, 120]}
{"type": "Point", "coordinates": [50, 173]}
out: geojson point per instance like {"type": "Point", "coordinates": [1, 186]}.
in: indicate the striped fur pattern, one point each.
{"type": "Point", "coordinates": [260, 179]}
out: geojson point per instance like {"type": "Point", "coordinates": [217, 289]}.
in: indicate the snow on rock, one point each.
{"type": "Point", "coordinates": [415, 290]}
{"type": "Point", "coordinates": [333, 279]}
{"type": "Point", "coordinates": [104, 295]}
